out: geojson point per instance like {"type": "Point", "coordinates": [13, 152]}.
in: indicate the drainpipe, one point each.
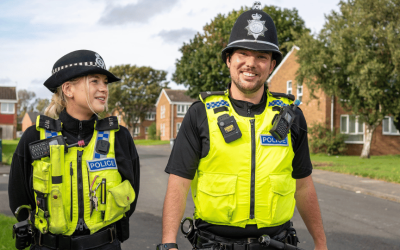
{"type": "Point", "coordinates": [332, 105]}
{"type": "Point", "coordinates": [172, 122]}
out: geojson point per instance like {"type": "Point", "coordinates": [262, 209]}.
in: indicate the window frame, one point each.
{"type": "Point", "coordinates": [150, 116]}
{"type": "Point", "coordinates": [300, 94]}
{"type": "Point", "coordinates": [136, 134]}
{"type": "Point", "coordinates": [181, 113]}
{"type": "Point", "coordinates": [162, 129]}
{"type": "Point", "coordinates": [9, 104]}
{"type": "Point", "coordinates": [177, 129]}
{"type": "Point", "coordinates": [391, 121]}
{"type": "Point", "coordinates": [291, 87]}
{"type": "Point", "coordinates": [348, 129]}
{"type": "Point", "coordinates": [162, 112]}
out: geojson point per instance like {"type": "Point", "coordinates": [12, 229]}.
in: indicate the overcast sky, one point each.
{"type": "Point", "coordinates": [34, 34]}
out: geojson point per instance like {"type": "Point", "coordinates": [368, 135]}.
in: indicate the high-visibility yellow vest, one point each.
{"type": "Point", "coordinates": [249, 180]}
{"type": "Point", "coordinates": [63, 180]}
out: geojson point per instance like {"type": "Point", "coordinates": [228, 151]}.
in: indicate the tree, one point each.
{"type": "Point", "coordinates": [24, 98]}
{"type": "Point", "coordinates": [356, 57]}
{"type": "Point", "coordinates": [41, 104]}
{"type": "Point", "coordinates": [137, 91]}
{"type": "Point", "coordinates": [201, 69]}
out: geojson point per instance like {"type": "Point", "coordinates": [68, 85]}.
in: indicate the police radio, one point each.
{"type": "Point", "coordinates": [283, 121]}
{"type": "Point", "coordinates": [41, 148]}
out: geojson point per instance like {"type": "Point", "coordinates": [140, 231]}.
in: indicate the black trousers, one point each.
{"type": "Point", "coordinates": [116, 245]}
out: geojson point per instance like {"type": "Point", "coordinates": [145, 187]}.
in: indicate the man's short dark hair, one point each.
{"type": "Point", "coordinates": [230, 52]}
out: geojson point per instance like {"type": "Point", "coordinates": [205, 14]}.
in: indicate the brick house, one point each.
{"type": "Point", "coordinates": [29, 119]}
{"type": "Point", "coordinates": [171, 106]}
{"type": "Point", "coordinates": [327, 110]}
{"type": "Point", "coordinates": [8, 113]}
{"type": "Point", "coordinates": [142, 126]}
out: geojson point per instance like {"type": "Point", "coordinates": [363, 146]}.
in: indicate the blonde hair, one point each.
{"type": "Point", "coordinates": [59, 102]}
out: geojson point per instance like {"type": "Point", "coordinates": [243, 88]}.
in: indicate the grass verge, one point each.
{"type": "Point", "coordinates": [9, 147]}
{"type": "Point", "coordinates": [6, 240]}
{"type": "Point", "coordinates": [385, 167]}
{"type": "Point", "coordinates": [150, 142]}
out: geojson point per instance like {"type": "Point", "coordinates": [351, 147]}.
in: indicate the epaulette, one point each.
{"type": "Point", "coordinates": [108, 123]}
{"type": "Point", "coordinates": [48, 123]}
{"type": "Point", "coordinates": [206, 94]}
{"type": "Point", "coordinates": [278, 95]}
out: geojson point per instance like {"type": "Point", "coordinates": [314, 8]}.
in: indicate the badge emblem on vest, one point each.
{"type": "Point", "coordinates": [269, 140]}
{"type": "Point", "coordinates": [102, 164]}
{"type": "Point", "coordinates": [99, 61]}
{"type": "Point", "coordinates": [256, 27]}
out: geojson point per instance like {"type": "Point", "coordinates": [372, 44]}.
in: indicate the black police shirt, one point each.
{"type": "Point", "coordinates": [193, 143]}
{"type": "Point", "coordinates": [20, 180]}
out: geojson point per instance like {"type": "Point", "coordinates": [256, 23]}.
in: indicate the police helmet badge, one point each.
{"type": "Point", "coordinates": [100, 61]}
{"type": "Point", "coordinates": [256, 27]}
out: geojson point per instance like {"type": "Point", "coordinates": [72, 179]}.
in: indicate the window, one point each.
{"type": "Point", "coordinates": [388, 127]}
{"type": "Point", "coordinates": [150, 116]}
{"type": "Point", "coordinates": [146, 130]}
{"type": "Point", "coordinates": [181, 110]}
{"type": "Point", "coordinates": [289, 87]}
{"type": "Point", "coordinates": [178, 126]}
{"type": "Point", "coordinates": [300, 93]}
{"type": "Point", "coordinates": [162, 111]}
{"type": "Point", "coordinates": [7, 108]}
{"type": "Point", "coordinates": [350, 125]}
{"type": "Point", "coordinates": [162, 129]}
{"type": "Point", "coordinates": [136, 132]}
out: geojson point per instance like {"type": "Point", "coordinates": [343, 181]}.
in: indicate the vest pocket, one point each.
{"type": "Point", "coordinates": [216, 197]}
{"type": "Point", "coordinates": [118, 200]}
{"type": "Point", "coordinates": [41, 176]}
{"type": "Point", "coordinates": [283, 187]}
{"type": "Point", "coordinates": [58, 223]}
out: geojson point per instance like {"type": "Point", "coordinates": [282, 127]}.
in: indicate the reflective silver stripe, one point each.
{"type": "Point", "coordinates": [253, 41]}
{"type": "Point", "coordinates": [101, 135]}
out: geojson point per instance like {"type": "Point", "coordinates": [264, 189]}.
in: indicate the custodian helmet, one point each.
{"type": "Point", "coordinates": [254, 30]}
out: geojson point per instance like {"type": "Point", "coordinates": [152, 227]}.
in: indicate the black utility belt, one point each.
{"type": "Point", "coordinates": [209, 241]}
{"type": "Point", "coordinates": [63, 242]}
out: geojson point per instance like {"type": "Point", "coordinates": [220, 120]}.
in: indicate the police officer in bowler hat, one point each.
{"type": "Point", "coordinates": [82, 187]}
{"type": "Point", "coordinates": [244, 182]}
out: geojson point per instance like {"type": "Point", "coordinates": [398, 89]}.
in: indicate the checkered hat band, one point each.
{"type": "Point", "coordinates": [58, 69]}
{"type": "Point", "coordinates": [277, 103]}
{"type": "Point", "coordinates": [49, 134]}
{"type": "Point", "coordinates": [101, 135]}
{"type": "Point", "coordinates": [211, 105]}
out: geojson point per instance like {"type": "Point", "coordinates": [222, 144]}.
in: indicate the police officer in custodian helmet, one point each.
{"type": "Point", "coordinates": [244, 180]}
{"type": "Point", "coordinates": [74, 175]}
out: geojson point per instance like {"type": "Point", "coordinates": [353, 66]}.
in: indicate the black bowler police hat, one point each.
{"type": "Point", "coordinates": [254, 30]}
{"type": "Point", "coordinates": [75, 64]}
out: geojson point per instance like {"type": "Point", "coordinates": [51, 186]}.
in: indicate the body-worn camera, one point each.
{"type": "Point", "coordinates": [229, 128]}
{"type": "Point", "coordinates": [283, 121]}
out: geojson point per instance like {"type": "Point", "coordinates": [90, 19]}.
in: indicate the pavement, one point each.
{"type": "Point", "coordinates": [376, 188]}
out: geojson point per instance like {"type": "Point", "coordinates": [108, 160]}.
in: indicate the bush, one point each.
{"type": "Point", "coordinates": [152, 131]}
{"type": "Point", "coordinates": [323, 140]}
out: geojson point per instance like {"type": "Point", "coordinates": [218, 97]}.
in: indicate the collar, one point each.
{"type": "Point", "coordinates": [249, 109]}
{"type": "Point", "coordinates": [76, 126]}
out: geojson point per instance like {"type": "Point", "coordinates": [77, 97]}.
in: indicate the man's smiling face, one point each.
{"type": "Point", "coordinates": [250, 69]}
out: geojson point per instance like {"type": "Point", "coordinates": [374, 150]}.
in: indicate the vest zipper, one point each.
{"type": "Point", "coordinates": [253, 168]}
{"type": "Point", "coordinates": [71, 173]}
{"type": "Point", "coordinates": [81, 222]}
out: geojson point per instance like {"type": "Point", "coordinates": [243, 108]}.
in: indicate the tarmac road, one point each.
{"type": "Point", "coordinates": [352, 219]}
